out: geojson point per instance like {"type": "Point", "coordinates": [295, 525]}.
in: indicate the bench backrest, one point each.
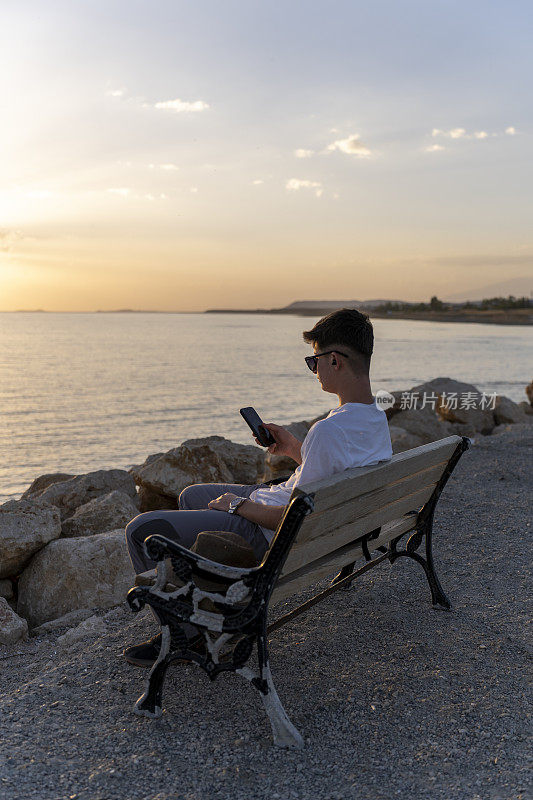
{"type": "Point", "coordinates": [356, 501]}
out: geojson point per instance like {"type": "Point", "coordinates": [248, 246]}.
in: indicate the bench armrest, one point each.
{"type": "Point", "coordinates": [158, 547]}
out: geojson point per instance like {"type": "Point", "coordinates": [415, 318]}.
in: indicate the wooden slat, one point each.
{"type": "Point", "coordinates": [320, 523]}
{"type": "Point", "coordinates": [306, 552]}
{"type": "Point", "coordinates": [300, 579]}
{"type": "Point", "coordinates": [343, 486]}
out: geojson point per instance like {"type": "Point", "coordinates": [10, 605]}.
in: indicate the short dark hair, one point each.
{"type": "Point", "coordinates": [348, 328]}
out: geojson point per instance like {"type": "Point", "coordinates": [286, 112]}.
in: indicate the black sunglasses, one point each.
{"type": "Point", "coordinates": [312, 361]}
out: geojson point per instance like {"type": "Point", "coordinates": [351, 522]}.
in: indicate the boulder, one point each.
{"type": "Point", "coordinates": [529, 392]}
{"type": "Point", "coordinates": [438, 402]}
{"type": "Point", "coordinates": [423, 424]}
{"type": "Point", "coordinates": [507, 412]}
{"type": "Point", "coordinates": [105, 513]}
{"type": "Point", "coordinates": [6, 589]}
{"type": "Point", "coordinates": [148, 499]}
{"type": "Point", "coordinates": [44, 481]}
{"type": "Point", "coordinates": [68, 574]}
{"type": "Point", "coordinates": [278, 466]}
{"type": "Point", "coordinates": [12, 627]}
{"type": "Point", "coordinates": [153, 501]}
{"type": "Point", "coordinates": [69, 620]}
{"type": "Point", "coordinates": [70, 494]}
{"type": "Point", "coordinates": [472, 413]}
{"type": "Point", "coordinates": [391, 411]}
{"type": "Point", "coordinates": [213, 459]}
{"type": "Point", "coordinates": [403, 440]}
{"type": "Point", "coordinates": [526, 408]}
{"type": "Point", "coordinates": [25, 527]}
{"type": "Point", "coordinates": [93, 626]}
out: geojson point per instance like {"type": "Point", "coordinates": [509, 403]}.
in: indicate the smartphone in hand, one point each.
{"type": "Point", "coordinates": [255, 422]}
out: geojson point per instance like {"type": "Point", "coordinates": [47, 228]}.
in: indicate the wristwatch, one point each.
{"type": "Point", "coordinates": [235, 503]}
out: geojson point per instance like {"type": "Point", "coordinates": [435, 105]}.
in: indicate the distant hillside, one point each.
{"type": "Point", "coordinates": [299, 304]}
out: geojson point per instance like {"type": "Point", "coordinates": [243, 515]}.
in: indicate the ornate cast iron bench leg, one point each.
{"type": "Point", "coordinates": [424, 530]}
{"type": "Point", "coordinates": [150, 704]}
{"type": "Point", "coordinates": [283, 731]}
{"type": "Point", "coordinates": [438, 598]}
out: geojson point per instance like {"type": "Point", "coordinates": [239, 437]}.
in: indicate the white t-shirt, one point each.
{"type": "Point", "coordinates": [352, 435]}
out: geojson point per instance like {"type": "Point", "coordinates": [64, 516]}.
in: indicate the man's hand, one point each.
{"type": "Point", "coordinates": [285, 445]}
{"type": "Point", "coordinates": [267, 516]}
{"type": "Point", "coordinates": [222, 503]}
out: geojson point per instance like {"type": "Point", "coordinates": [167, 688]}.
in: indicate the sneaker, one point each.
{"type": "Point", "coordinates": [146, 654]}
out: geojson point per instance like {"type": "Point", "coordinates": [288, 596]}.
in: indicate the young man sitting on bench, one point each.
{"type": "Point", "coordinates": [354, 434]}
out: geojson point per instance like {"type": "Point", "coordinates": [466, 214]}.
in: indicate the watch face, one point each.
{"type": "Point", "coordinates": [235, 503]}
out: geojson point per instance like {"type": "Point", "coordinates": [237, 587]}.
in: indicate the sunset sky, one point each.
{"type": "Point", "coordinates": [173, 155]}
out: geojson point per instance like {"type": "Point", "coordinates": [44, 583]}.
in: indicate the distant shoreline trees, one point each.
{"type": "Point", "coordinates": [488, 303]}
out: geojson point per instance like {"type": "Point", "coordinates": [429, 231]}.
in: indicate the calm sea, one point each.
{"type": "Point", "coordinates": [80, 392]}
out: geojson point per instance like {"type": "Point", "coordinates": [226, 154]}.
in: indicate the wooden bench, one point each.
{"type": "Point", "coordinates": [327, 527]}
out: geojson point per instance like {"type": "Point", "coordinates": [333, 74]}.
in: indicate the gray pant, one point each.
{"type": "Point", "coordinates": [193, 517]}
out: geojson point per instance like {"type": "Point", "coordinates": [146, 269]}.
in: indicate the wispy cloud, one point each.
{"type": "Point", "coordinates": [434, 148]}
{"type": "Point", "coordinates": [352, 146]}
{"type": "Point", "coordinates": [258, 182]}
{"type": "Point", "coordinates": [461, 133]}
{"type": "Point", "coordinates": [177, 106]}
{"type": "Point", "coordinates": [124, 191]}
{"type": "Point", "coordinates": [301, 153]}
{"type": "Point", "coordinates": [166, 167]}
{"type": "Point", "coordinates": [295, 184]}
{"type": "Point", "coordinates": [182, 106]}
{"type": "Point", "coordinates": [454, 133]}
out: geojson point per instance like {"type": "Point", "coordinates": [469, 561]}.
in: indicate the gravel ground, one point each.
{"type": "Point", "coordinates": [393, 698]}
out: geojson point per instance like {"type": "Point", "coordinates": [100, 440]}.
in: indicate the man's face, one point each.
{"type": "Point", "coordinates": [325, 373]}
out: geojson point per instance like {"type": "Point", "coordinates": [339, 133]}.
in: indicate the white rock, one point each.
{"type": "Point", "coordinates": [12, 627]}
{"type": "Point", "coordinates": [422, 424]}
{"type": "Point", "coordinates": [43, 481]}
{"type": "Point", "coordinates": [468, 420]}
{"type": "Point", "coordinates": [85, 572]}
{"type": "Point", "coordinates": [66, 621]}
{"type": "Point", "coordinates": [75, 492]}
{"type": "Point", "coordinates": [25, 527]}
{"type": "Point", "coordinates": [403, 440]}
{"type": "Point", "coordinates": [105, 513]}
{"type": "Point", "coordinates": [213, 459]}
{"type": "Point", "coordinates": [93, 626]}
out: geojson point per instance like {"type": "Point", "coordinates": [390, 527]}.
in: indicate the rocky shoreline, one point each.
{"type": "Point", "coordinates": [62, 547]}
